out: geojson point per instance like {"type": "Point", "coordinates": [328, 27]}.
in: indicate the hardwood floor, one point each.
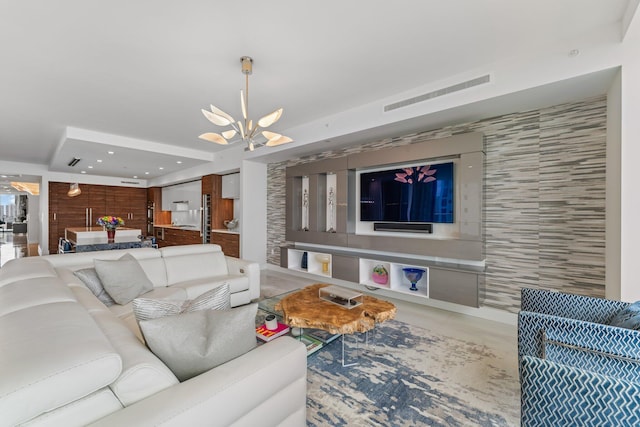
{"type": "Point", "coordinates": [14, 246]}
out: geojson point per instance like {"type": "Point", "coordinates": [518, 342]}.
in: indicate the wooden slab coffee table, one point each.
{"type": "Point", "coordinates": [305, 309]}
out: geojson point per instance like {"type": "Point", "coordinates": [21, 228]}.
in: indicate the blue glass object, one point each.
{"type": "Point", "coordinates": [413, 275]}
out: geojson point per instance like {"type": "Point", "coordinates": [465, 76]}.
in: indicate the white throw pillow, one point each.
{"type": "Point", "coordinates": [216, 299]}
{"type": "Point", "coordinates": [123, 278]}
{"type": "Point", "coordinates": [192, 343]}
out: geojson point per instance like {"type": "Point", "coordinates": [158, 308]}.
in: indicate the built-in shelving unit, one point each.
{"type": "Point", "coordinates": [396, 278]}
{"type": "Point", "coordinates": [318, 263]}
{"type": "Point", "coordinates": [322, 221]}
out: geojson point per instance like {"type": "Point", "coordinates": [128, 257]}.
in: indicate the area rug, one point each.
{"type": "Point", "coordinates": [412, 377]}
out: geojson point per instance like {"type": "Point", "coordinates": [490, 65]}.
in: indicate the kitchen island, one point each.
{"type": "Point", "coordinates": [96, 235]}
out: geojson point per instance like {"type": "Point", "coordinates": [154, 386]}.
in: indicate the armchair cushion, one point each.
{"type": "Point", "coordinates": [628, 317]}
{"type": "Point", "coordinates": [192, 343]}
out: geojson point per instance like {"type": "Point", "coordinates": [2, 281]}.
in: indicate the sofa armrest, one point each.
{"type": "Point", "coordinates": [591, 346]}
{"type": "Point", "coordinates": [556, 395]}
{"type": "Point", "coordinates": [249, 269]}
{"type": "Point", "coordinates": [572, 306]}
{"type": "Point", "coordinates": [266, 387]}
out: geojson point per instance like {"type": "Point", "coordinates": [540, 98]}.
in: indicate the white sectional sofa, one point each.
{"type": "Point", "coordinates": [67, 359]}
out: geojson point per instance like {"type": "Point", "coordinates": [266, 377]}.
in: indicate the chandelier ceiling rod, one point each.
{"type": "Point", "coordinates": [245, 128]}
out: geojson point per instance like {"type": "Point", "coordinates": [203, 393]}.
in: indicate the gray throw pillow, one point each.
{"type": "Point", "coordinates": [216, 299]}
{"type": "Point", "coordinates": [192, 343]}
{"type": "Point", "coordinates": [90, 278]}
{"type": "Point", "coordinates": [123, 278]}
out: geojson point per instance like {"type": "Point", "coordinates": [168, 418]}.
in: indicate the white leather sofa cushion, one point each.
{"type": "Point", "coordinates": [143, 374]}
{"type": "Point", "coordinates": [185, 263]}
{"type": "Point", "coordinates": [88, 300]}
{"type": "Point", "coordinates": [52, 354]}
{"type": "Point", "coordinates": [81, 412]}
{"type": "Point", "coordinates": [197, 287]}
{"type": "Point", "coordinates": [32, 292]}
{"type": "Point", "coordinates": [25, 269]}
{"type": "Point", "coordinates": [78, 260]}
{"type": "Point", "coordinates": [155, 270]}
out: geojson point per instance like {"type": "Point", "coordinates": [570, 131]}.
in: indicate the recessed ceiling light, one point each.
{"type": "Point", "coordinates": [90, 167]}
{"type": "Point", "coordinates": [83, 171]}
{"type": "Point", "coordinates": [146, 173]}
{"type": "Point", "coordinates": [135, 176]}
{"type": "Point", "coordinates": [161, 168]}
{"type": "Point", "coordinates": [99, 161]}
{"type": "Point", "coordinates": [574, 52]}
{"type": "Point", "coordinates": [109, 152]}
{"type": "Point", "coordinates": [179, 162]}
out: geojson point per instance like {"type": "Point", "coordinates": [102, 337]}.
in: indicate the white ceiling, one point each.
{"type": "Point", "coordinates": [132, 76]}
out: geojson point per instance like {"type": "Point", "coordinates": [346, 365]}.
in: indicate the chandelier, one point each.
{"type": "Point", "coordinates": [245, 128]}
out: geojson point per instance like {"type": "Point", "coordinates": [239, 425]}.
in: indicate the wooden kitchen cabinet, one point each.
{"type": "Point", "coordinates": [175, 236]}
{"type": "Point", "coordinates": [230, 243]}
{"type": "Point", "coordinates": [221, 209]}
{"type": "Point", "coordinates": [129, 203]}
{"type": "Point", "coordinates": [95, 201]}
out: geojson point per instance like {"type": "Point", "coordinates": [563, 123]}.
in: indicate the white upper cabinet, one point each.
{"type": "Point", "coordinates": [231, 186]}
{"type": "Point", "coordinates": [189, 192]}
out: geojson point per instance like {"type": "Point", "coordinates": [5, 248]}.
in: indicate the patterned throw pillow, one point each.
{"type": "Point", "coordinates": [628, 317]}
{"type": "Point", "coordinates": [216, 299]}
{"type": "Point", "coordinates": [90, 278]}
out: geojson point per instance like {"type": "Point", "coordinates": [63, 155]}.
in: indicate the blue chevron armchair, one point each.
{"type": "Point", "coordinates": [576, 369]}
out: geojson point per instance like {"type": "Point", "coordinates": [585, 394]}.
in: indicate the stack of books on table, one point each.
{"type": "Point", "coordinates": [267, 335]}
{"type": "Point", "coordinates": [312, 344]}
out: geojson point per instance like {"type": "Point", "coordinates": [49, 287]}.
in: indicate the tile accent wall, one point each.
{"type": "Point", "coordinates": [544, 198]}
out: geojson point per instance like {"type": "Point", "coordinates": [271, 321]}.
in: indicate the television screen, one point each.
{"type": "Point", "coordinates": [411, 194]}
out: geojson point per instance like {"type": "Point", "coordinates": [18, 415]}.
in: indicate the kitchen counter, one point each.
{"type": "Point", "coordinates": [97, 235]}
{"type": "Point", "coordinates": [225, 230]}
{"type": "Point", "coordinates": [179, 227]}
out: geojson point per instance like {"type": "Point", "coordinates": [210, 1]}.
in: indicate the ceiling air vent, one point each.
{"type": "Point", "coordinates": [73, 161]}
{"type": "Point", "coordinates": [436, 93]}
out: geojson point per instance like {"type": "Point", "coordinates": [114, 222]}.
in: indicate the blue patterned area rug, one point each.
{"type": "Point", "coordinates": [413, 377]}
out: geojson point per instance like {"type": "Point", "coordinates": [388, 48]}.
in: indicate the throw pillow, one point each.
{"type": "Point", "coordinates": [215, 299]}
{"type": "Point", "coordinates": [90, 278]}
{"type": "Point", "coordinates": [123, 279]}
{"type": "Point", "coordinates": [628, 317]}
{"type": "Point", "coordinates": [192, 343]}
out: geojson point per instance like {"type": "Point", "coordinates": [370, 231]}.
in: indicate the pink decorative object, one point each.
{"type": "Point", "coordinates": [380, 275]}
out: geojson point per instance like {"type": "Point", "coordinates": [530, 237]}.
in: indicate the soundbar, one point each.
{"type": "Point", "coordinates": [408, 227]}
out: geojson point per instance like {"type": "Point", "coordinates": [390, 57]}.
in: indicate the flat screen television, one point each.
{"type": "Point", "coordinates": [411, 194]}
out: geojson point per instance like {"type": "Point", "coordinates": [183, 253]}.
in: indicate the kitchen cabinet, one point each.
{"type": "Point", "coordinates": [129, 203]}
{"type": "Point", "coordinates": [231, 186]}
{"type": "Point", "coordinates": [154, 199]}
{"type": "Point", "coordinates": [189, 192]}
{"type": "Point", "coordinates": [95, 201]}
{"type": "Point", "coordinates": [170, 236]}
{"type": "Point", "coordinates": [230, 242]}
{"type": "Point", "coordinates": [221, 209]}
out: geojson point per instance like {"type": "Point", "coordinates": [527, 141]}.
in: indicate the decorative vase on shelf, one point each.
{"type": "Point", "coordinates": [304, 262]}
{"type": "Point", "coordinates": [413, 275]}
{"type": "Point", "coordinates": [324, 260]}
{"type": "Point", "coordinates": [380, 275]}
{"type": "Point", "coordinates": [111, 235]}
